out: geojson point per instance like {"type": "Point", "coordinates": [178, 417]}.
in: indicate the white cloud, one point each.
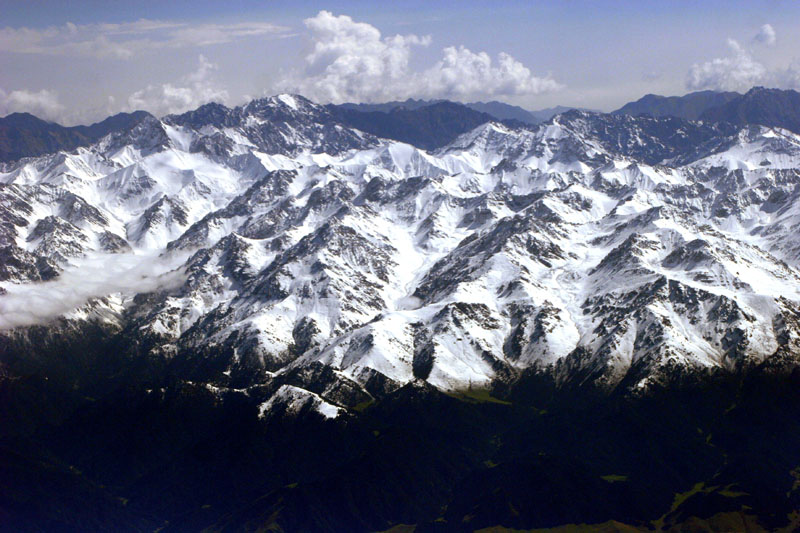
{"type": "Point", "coordinates": [123, 41]}
{"type": "Point", "coordinates": [85, 279]}
{"type": "Point", "coordinates": [463, 74]}
{"type": "Point", "coordinates": [195, 89]}
{"type": "Point", "coordinates": [736, 72]}
{"type": "Point", "coordinates": [44, 104]}
{"type": "Point", "coordinates": [740, 71]}
{"type": "Point", "coordinates": [208, 34]}
{"type": "Point", "coordinates": [351, 61]}
{"type": "Point", "coordinates": [788, 78]}
{"type": "Point", "coordinates": [766, 35]}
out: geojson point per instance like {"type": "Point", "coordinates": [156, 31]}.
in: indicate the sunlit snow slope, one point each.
{"type": "Point", "coordinates": [268, 242]}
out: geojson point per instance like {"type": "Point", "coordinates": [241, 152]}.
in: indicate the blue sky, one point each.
{"type": "Point", "coordinates": [79, 61]}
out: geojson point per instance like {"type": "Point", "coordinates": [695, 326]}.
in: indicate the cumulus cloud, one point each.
{"type": "Point", "coordinates": [766, 35]}
{"type": "Point", "coordinates": [43, 104]}
{"type": "Point", "coordinates": [88, 278]}
{"type": "Point", "coordinates": [193, 90]}
{"type": "Point", "coordinates": [123, 41]}
{"type": "Point", "coordinates": [352, 61]}
{"type": "Point", "coordinates": [740, 71]}
{"type": "Point", "coordinates": [466, 74]}
{"type": "Point", "coordinates": [736, 72]}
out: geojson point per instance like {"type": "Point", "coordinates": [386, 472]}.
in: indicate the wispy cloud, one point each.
{"type": "Point", "coordinates": [766, 35]}
{"type": "Point", "coordinates": [123, 41]}
{"type": "Point", "coordinates": [191, 91]}
{"type": "Point", "coordinates": [652, 75]}
{"type": "Point", "coordinates": [87, 278]}
{"type": "Point", "coordinates": [736, 72]}
{"type": "Point", "coordinates": [187, 92]}
{"type": "Point", "coordinates": [739, 71]}
{"type": "Point", "coordinates": [352, 61]}
{"type": "Point", "coordinates": [44, 103]}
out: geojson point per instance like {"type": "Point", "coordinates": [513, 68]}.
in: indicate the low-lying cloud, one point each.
{"type": "Point", "coordinates": [86, 279]}
{"type": "Point", "coordinates": [351, 61]}
{"type": "Point", "coordinates": [44, 104]}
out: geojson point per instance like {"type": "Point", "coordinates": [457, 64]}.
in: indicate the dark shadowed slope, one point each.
{"type": "Point", "coordinates": [767, 107]}
{"type": "Point", "coordinates": [24, 135]}
{"type": "Point", "coordinates": [427, 127]}
{"type": "Point", "coordinates": [690, 106]}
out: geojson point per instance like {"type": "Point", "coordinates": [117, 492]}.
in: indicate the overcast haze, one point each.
{"type": "Point", "coordinates": [78, 62]}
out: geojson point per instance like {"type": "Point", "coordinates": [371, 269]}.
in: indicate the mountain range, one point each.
{"type": "Point", "coordinates": [24, 135]}
{"type": "Point", "coordinates": [328, 318]}
{"type": "Point", "coordinates": [431, 124]}
{"type": "Point", "coordinates": [771, 107]}
{"type": "Point", "coordinates": [689, 107]}
{"type": "Point", "coordinates": [498, 110]}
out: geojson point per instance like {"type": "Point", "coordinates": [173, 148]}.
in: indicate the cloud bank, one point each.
{"type": "Point", "coordinates": [87, 278]}
{"type": "Point", "coordinates": [44, 104]}
{"type": "Point", "coordinates": [351, 61]}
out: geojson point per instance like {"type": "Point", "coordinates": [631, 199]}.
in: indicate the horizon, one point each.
{"type": "Point", "coordinates": [171, 58]}
{"type": "Point", "coordinates": [428, 102]}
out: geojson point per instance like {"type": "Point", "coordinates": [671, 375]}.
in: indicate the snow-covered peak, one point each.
{"type": "Point", "coordinates": [289, 100]}
{"type": "Point", "coordinates": [281, 103]}
{"type": "Point", "coordinates": [591, 247]}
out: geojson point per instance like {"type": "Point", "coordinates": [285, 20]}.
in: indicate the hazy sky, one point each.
{"type": "Point", "coordinates": [79, 61]}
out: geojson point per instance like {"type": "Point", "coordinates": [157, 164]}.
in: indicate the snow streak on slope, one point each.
{"type": "Point", "coordinates": [600, 248]}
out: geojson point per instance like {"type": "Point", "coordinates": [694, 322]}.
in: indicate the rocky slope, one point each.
{"type": "Point", "coordinates": [268, 241]}
{"type": "Point", "coordinates": [428, 127]}
{"type": "Point", "coordinates": [775, 108]}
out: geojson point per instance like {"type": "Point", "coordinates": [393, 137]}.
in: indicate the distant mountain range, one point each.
{"type": "Point", "coordinates": [428, 127]}
{"type": "Point", "coordinates": [775, 108]}
{"type": "Point", "coordinates": [24, 135]}
{"type": "Point", "coordinates": [427, 124]}
{"type": "Point", "coordinates": [689, 107]}
{"type": "Point", "coordinates": [431, 124]}
{"type": "Point", "coordinates": [767, 107]}
{"type": "Point", "coordinates": [498, 110]}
